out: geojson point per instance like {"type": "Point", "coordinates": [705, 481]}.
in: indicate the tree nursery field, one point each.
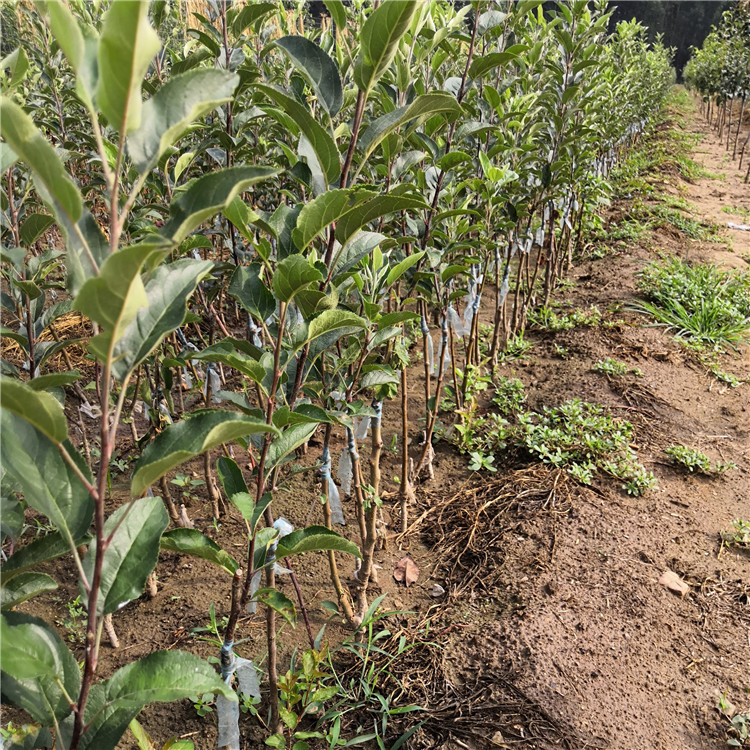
{"type": "Point", "coordinates": [376, 376]}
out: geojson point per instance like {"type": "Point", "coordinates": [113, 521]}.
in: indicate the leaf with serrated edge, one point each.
{"type": "Point", "coordinates": [40, 409]}
{"type": "Point", "coordinates": [192, 436]}
{"type": "Point", "coordinates": [314, 538]}
{"type": "Point", "coordinates": [167, 114]}
{"type": "Point", "coordinates": [193, 542]}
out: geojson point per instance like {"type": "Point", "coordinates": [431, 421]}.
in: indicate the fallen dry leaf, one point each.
{"type": "Point", "coordinates": [674, 583]}
{"type": "Point", "coordinates": [406, 571]}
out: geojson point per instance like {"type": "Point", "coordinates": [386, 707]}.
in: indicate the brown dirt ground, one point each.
{"type": "Point", "coordinates": [554, 630]}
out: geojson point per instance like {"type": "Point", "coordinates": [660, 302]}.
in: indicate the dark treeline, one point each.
{"type": "Point", "coordinates": [683, 23]}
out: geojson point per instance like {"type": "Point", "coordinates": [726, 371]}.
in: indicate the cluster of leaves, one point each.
{"type": "Point", "coordinates": [695, 461]}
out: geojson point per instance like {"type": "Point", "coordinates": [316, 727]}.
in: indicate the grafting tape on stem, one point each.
{"type": "Point", "coordinates": [334, 499]}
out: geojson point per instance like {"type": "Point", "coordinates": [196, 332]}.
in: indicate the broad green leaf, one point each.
{"type": "Point", "coordinates": [278, 602]}
{"type": "Point", "coordinates": [227, 354]}
{"type": "Point", "coordinates": [8, 157]}
{"type": "Point", "coordinates": [359, 246]}
{"type": "Point", "coordinates": [131, 554]}
{"type": "Point", "coordinates": [243, 218]}
{"type": "Point", "coordinates": [333, 320]}
{"type": "Point", "coordinates": [318, 68]}
{"type": "Point", "coordinates": [250, 14]}
{"type": "Point", "coordinates": [401, 268]}
{"type": "Point", "coordinates": [364, 213]}
{"type": "Point", "coordinates": [374, 378]}
{"type": "Point", "coordinates": [114, 297]}
{"type": "Point", "coordinates": [161, 677]}
{"type": "Point", "coordinates": [419, 111]}
{"type": "Point", "coordinates": [24, 586]}
{"type": "Point", "coordinates": [247, 287]}
{"type": "Point", "coordinates": [230, 476]}
{"type": "Point", "coordinates": [80, 45]}
{"type": "Point", "coordinates": [314, 538]}
{"type": "Point", "coordinates": [259, 510]}
{"type": "Point", "coordinates": [54, 380]}
{"type": "Point", "coordinates": [288, 441]}
{"type": "Point", "coordinates": [193, 542]}
{"type": "Point", "coordinates": [192, 436]}
{"type": "Point", "coordinates": [303, 414]}
{"type": "Point", "coordinates": [322, 142]}
{"type": "Point", "coordinates": [34, 226]}
{"type": "Point", "coordinates": [39, 409]}
{"type": "Point", "coordinates": [41, 550]}
{"type": "Point", "coordinates": [167, 114]}
{"type": "Point", "coordinates": [337, 12]}
{"type": "Point", "coordinates": [34, 149]}
{"type": "Point", "coordinates": [378, 40]}
{"type": "Point", "coordinates": [292, 275]}
{"type": "Point", "coordinates": [208, 195]}
{"type": "Point", "coordinates": [167, 292]}
{"type": "Point", "coordinates": [18, 64]}
{"type": "Point", "coordinates": [319, 213]}
{"type": "Point", "coordinates": [41, 694]}
{"type": "Point", "coordinates": [127, 46]}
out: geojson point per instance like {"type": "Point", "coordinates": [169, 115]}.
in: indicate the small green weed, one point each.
{"type": "Point", "coordinates": [695, 461]}
{"type": "Point", "coordinates": [737, 211]}
{"type": "Point", "coordinates": [583, 439]}
{"type": "Point", "coordinates": [549, 320]}
{"type": "Point", "coordinates": [697, 301]}
{"type": "Point", "coordinates": [738, 731]}
{"type": "Point", "coordinates": [738, 535]}
{"type": "Point", "coordinates": [612, 368]}
{"type": "Point", "coordinates": [509, 395]}
{"type": "Point", "coordinates": [73, 623]}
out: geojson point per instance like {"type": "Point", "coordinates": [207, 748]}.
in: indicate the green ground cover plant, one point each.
{"type": "Point", "coordinates": [697, 301]}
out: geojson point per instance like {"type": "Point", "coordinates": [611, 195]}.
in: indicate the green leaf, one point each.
{"type": "Point", "coordinates": [40, 409]}
{"type": "Point", "coordinates": [18, 64]}
{"type": "Point", "coordinates": [32, 147]}
{"type": "Point", "coordinates": [319, 213]}
{"type": "Point", "coordinates": [40, 550]}
{"type": "Point", "coordinates": [114, 297]}
{"type": "Point", "coordinates": [39, 694]}
{"type": "Point", "coordinates": [292, 275]}
{"type": "Point", "coordinates": [332, 320]}
{"type": "Point", "coordinates": [359, 246]}
{"type": "Point", "coordinates": [34, 226]}
{"type": "Point", "coordinates": [227, 354]}
{"type": "Point", "coordinates": [250, 14]}
{"type": "Point", "coordinates": [161, 677]}
{"type": "Point", "coordinates": [167, 292]}
{"type": "Point", "coordinates": [419, 111]}
{"type": "Point", "coordinates": [208, 195]}
{"type": "Point", "coordinates": [259, 510]}
{"type": "Point", "coordinates": [193, 542]}
{"type": "Point", "coordinates": [322, 143]}
{"type": "Point", "coordinates": [175, 105]}
{"type": "Point", "coordinates": [401, 268]}
{"type": "Point", "coordinates": [363, 213]}
{"type": "Point", "coordinates": [80, 45]}
{"type": "Point", "coordinates": [230, 476]}
{"type": "Point", "coordinates": [192, 436]}
{"type": "Point", "coordinates": [378, 40]}
{"type": "Point", "coordinates": [314, 539]}
{"type": "Point", "coordinates": [278, 602]}
{"type": "Point", "coordinates": [131, 554]}
{"type": "Point", "coordinates": [54, 380]}
{"type": "Point", "coordinates": [318, 68]}
{"type": "Point", "coordinates": [374, 378]}
{"type": "Point", "coordinates": [247, 287]}
{"type": "Point", "coordinates": [337, 12]}
{"type": "Point", "coordinates": [24, 586]}
{"type": "Point", "coordinates": [288, 441]}
{"type": "Point", "coordinates": [127, 46]}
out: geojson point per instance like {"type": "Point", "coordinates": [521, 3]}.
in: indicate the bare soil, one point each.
{"type": "Point", "coordinates": [553, 630]}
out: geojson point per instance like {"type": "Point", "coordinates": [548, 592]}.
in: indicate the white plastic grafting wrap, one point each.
{"type": "Point", "coordinates": [539, 236]}
{"type": "Point", "coordinates": [444, 357]}
{"type": "Point", "coordinates": [165, 411]}
{"type": "Point", "coordinates": [254, 332]}
{"type": "Point", "coordinates": [361, 427]}
{"type": "Point", "coordinates": [247, 677]}
{"type": "Point", "coordinates": [228, 718]}
{"type": "Point", "coordinates": [352, 455]}
{"type": "Point", "coordinates": [430, 350]}
{"type": "Point", "coordinates": [344, 472]}
{"type": "Point", "coordinates": [455, 322]}
{"type": "Point", "coordinates": [212, 379]}
{"type": "Point", "coordinates": [284, 528]}
{"type": "Point", "coordinates": [378, 418]}
{"type": "Point", "coordinates": [334, 499]}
